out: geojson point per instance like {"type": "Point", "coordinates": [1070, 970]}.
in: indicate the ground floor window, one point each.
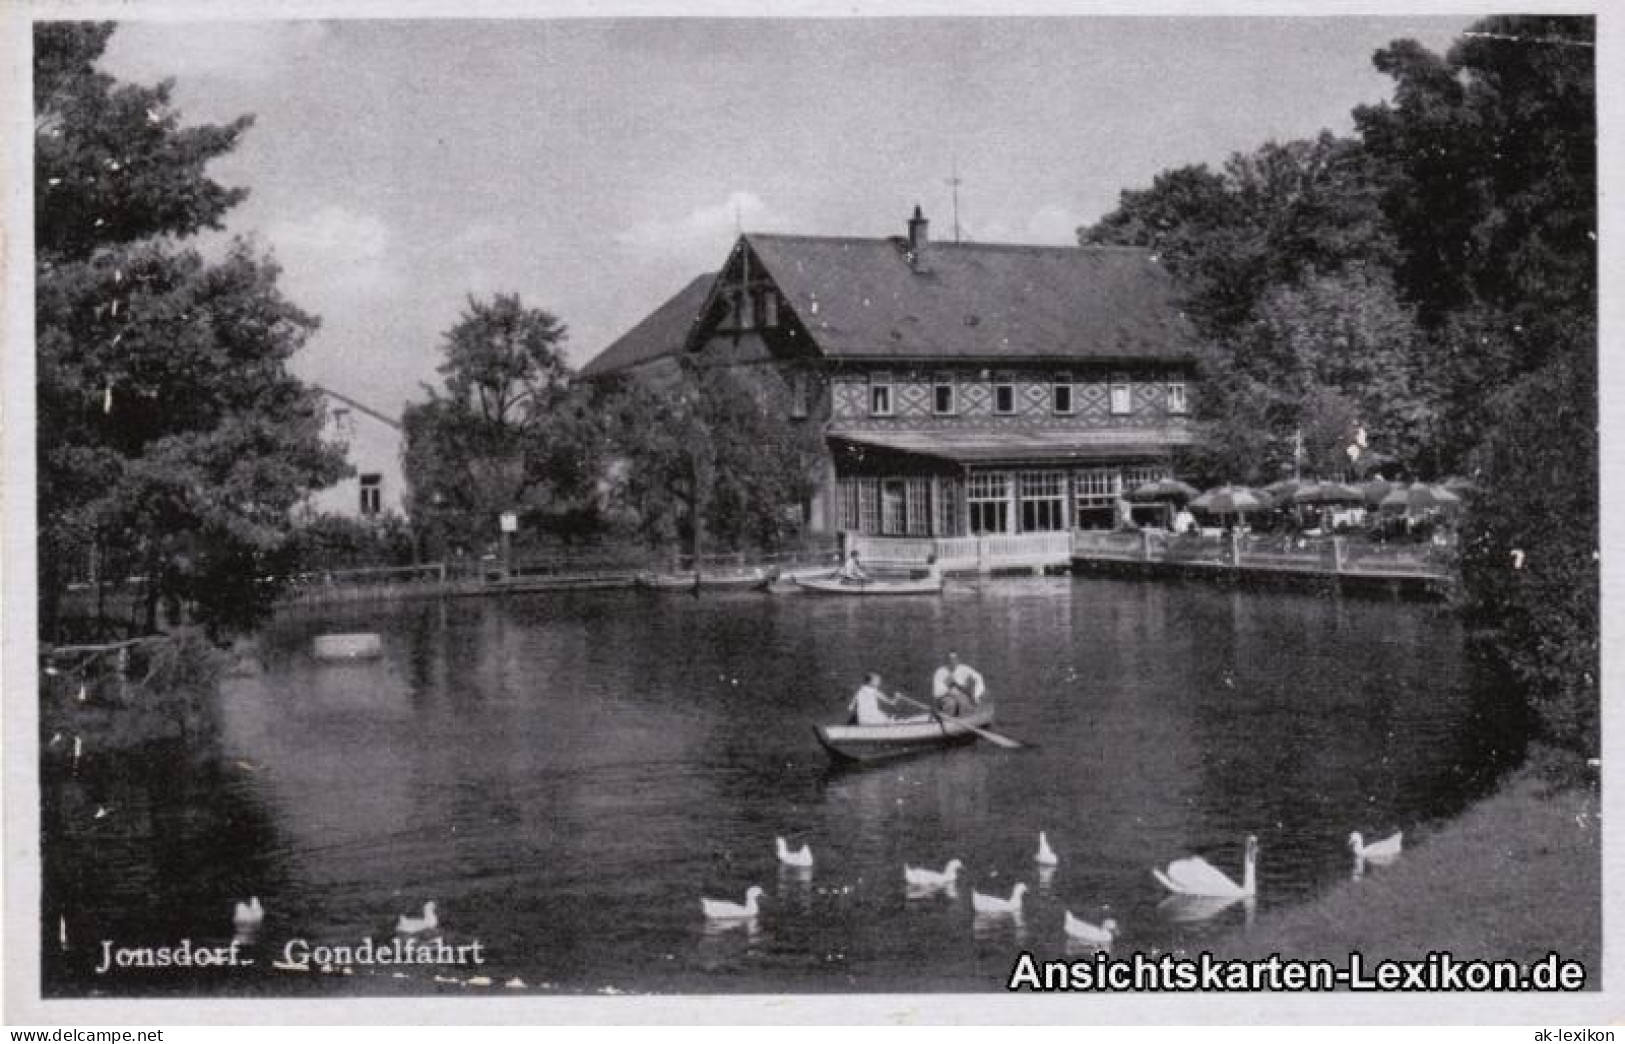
{"type": "Point", "coordinates": [987, 501]}
{"type": "Point", "coordinates": [947, 505]}
{"type": "Point", "coordinates": [1043, 501]}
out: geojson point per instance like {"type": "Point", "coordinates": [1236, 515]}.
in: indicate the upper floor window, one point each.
{"type": "Point", "coordinates": [343, 423]}
{"type": "Point", "coordinates": [372, 494]}
{"type": "Point", "coordinates": [799, 405]}
{"type": "Point", "coordinates": [1176, 398]}
{"type": "Point", "coordinates": [1122, 398]}
{"type": "Point", "coordinates": [768, 312]}
{"type": "Point", "coordinates": [880, 394]}
{"type": "Point", "coordinates": [1004, 395]}
{"type": "Point", "coordinates": [942, 394]}
{"type": "Point", "coordinates": [1061, 393]}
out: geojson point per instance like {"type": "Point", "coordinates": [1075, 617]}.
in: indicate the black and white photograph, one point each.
{"type": "Point", "coordinates": [851, 510]}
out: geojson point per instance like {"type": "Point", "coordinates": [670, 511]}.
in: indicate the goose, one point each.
{"type": "Point", "coordinates": [721, 910]}
{"type": "Point", "coordinates": [1385, 851]}
{"type": "Point", "coordinates": [248, 916]}
{"type": "Point", "coordinates": [409, 925]}
{"type": "Point", "coordinates": [799, 858]}
{"type": "Point", "coordinates": [992, 905]}
{"type": "Point", "coordinates": [1100, 935]}
{"type": "Point", "coordinates": [1194, 875]}
{"type": "Point", "coordinates": [922, 878]}
{"type": "Point", "coordinates": [1045, 856]}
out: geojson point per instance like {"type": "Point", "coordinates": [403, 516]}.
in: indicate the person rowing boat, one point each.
{"type": "Point", "coordinates": [866, 705]}
{"type": "Point", "coordinates": [958, 687]}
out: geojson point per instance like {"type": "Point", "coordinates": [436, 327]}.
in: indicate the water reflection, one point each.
{"type": "Point", "coordinates": [565, 775]}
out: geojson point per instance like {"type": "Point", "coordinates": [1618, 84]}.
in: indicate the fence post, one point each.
{"type": "Point", "coordinates": [1235, 548]}
{"type": "Point", "coordinates": [1337, 554]}
{"type": "Point", "coordinates": [1145, 545]}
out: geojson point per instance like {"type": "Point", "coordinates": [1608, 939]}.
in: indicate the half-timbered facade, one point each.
{"type": "Point", "coordinates": [961, 388]}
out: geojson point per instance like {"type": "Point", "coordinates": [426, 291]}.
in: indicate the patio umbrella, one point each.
{"type": "Point", "coordinates": [1162, 489]}
{"type": "Point", "coordinates": [1281, 492]}
{"type": "Point", "coordinates": [1461, 487]}
{"type": "Point", "coordinates": [1328, 493]}
{"type": "Point", "coordinates": [1374, 490]}
{"type": "Point", "coordinates": [1419, 497]}
{"type": "Point", "coordinates": [1231, 500]}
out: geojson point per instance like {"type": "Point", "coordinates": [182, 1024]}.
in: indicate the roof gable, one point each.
{"type": "Point", "coordinates": [663, 332]}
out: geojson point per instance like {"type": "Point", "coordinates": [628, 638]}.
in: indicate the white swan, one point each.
{"type": "Point", "coordinates": [721, 910]}
{"type": "Point", "coordinates": [992, 905]}
{"type": "Point", "coordinates": [1194, 875]}
{"type": "Point", "coordinates": [1046, 855]}
{"type": "Point", "coordinates": [1381, 852]}
{"type": "Point", "coordinates": [922, 878]}
{"type": "Point", "coordinates": [799, 858]}
{"type": "Point", "coordinates": [1100, 935]}
{"type": "Point", "coordinates": [409, 925]}
{"type": "Point", "coordinates": [248, 916]}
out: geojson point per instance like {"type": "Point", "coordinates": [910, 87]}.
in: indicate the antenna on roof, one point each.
{"type": "Point", "coordinates": [953, 183]}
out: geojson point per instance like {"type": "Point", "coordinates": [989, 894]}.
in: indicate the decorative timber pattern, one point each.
{"type": "Point", "coordinates": [912, 399]}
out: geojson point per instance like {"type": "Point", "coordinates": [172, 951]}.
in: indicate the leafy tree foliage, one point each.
{"type": "Point", "coordinates": [173, 441]}
{"type": "Point", "coordinates": [710, 462]}
{"type": "Point", "coordinates": [503, 433]}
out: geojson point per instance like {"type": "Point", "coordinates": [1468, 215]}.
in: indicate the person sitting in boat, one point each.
{"type": "Point", "coordinates": [866, 705]}
{"type": "Point", "coordinates": [933, 571]}
{"type": "Point", "coordinates": [957, 686]}
{"type": "Point", "coordinates": [853, 569]}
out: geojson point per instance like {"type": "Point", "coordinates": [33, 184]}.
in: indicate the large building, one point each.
{"type": "Point", "coordinates": [962, 388]}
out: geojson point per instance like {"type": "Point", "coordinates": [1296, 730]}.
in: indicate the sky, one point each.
{"type": "Point", "coordinates": [594, 167]}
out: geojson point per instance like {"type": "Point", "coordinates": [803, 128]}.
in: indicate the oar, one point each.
{"type": "Point", "coordinates": [992, 737]}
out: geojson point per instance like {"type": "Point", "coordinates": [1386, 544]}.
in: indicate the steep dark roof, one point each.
{"type": "Point", "coordinates": [363, 407]}
{"type": "Point", "coordinates": [661, 333]}
{"type": "Point", "coordinates": [860, 298]}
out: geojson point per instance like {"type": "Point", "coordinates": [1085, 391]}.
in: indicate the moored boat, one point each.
{"type": "Point", "coordinates": [841, 586]}
{"type": "Point", "coordinates": [706, 581]}
{"type": "Point", "coordinates": [878, 742]}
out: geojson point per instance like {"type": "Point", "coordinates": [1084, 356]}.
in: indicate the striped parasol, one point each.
{"type": "Point", "coordinates": [1231, 500]}
{"type": "Point", "coordinates": [1419, 497]}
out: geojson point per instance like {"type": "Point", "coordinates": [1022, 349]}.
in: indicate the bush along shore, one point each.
{"type": "Point", "coordinates": [119, 696]}
{"type": "Point", "coordinates": [1515, 877]}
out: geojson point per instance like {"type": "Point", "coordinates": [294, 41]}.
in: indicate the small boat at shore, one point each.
{"type": "Point", "coordinates": [850, 743]}
{"type": "Point", "coordinates": [836, 585]}
{"type": "Point", "coordinates": [683, 582]}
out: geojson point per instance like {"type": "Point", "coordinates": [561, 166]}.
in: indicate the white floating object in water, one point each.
{"type": "Point", "coordinates": [1196, 876]}
{"type": "Point", "coordinates": [409, 925]}
{"type": "Point", "coordinates": [920, 877]}
{"type": "Point", "coordinates": [248, 916]}
{"type": "Point", "coordinates": [992, 905]}
{"type": "Point", "coordinates": [479, 980]}
{"type": "Point", "coordinates": [800, 858]}
{"type": "Point", "coordinates": [1380, 852]}
{"type": "Point", "coordinates": [722, 910]}
{"type": "Point", "coordinates": [62, 932]}
{"type": "Point", "coordinates": [1045, 855]}
{"type": "Point", "coordinates": [360, 646]}
{"type": "Point", "coordinates": [1098, 935]}
{"type": "Point", "coordinates": [515, 983]}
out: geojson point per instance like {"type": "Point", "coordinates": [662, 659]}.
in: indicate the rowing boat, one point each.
{"type": "Point", "coordinates": [876, 742]}
{"type": "Point", "coordinates": [705, 581]}
{"type": "Point", "coordinates": [838, 586]}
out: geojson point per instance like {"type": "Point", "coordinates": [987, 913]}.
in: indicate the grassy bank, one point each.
{"type": "Point", "coordinates": [1516, 876]}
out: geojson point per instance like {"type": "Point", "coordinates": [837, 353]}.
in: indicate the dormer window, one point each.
{"type": "Point", "coordinates": [769, 311]}
{"type": "Point", "coordinates": [880, 395]}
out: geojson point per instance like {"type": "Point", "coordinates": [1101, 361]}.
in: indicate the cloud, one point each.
{"type": "Point", "coordinates": [708, 228]}
{"type": "Point", "coordinates": [240, 51]}
{"type": "Point", "coordinates": [335, 248]}
{"type": "Point", "coordinates": [1049, 225]}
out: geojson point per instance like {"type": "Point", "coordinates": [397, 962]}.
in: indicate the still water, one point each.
{"type": "Point", "coordinates": [567, 775]}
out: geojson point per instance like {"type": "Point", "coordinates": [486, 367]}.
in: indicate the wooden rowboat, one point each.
{"type": "Point", "coordinates": [877, 742]}
{"type": "Point", "coordinates": [706, 581]}
{"type": "Point", "coordinates": [838, 586]}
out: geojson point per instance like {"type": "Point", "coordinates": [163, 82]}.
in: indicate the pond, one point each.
{"type": "Point", "coordinates": [567, 775]}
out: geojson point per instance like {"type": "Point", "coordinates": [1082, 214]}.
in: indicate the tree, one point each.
{"type": "Point", "coordinates": [504, 431]}
{"type": "Point", "coordinates": [711, 462]}
{"type": "Point", "coordinates": [173, 442]}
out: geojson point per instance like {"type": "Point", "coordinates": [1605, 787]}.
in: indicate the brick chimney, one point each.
{"type": "Point", "coordinates": [919, 234]}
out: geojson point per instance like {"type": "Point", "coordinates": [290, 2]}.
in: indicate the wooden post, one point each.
{"type": "Point", "coordinates": [1337, 554]}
